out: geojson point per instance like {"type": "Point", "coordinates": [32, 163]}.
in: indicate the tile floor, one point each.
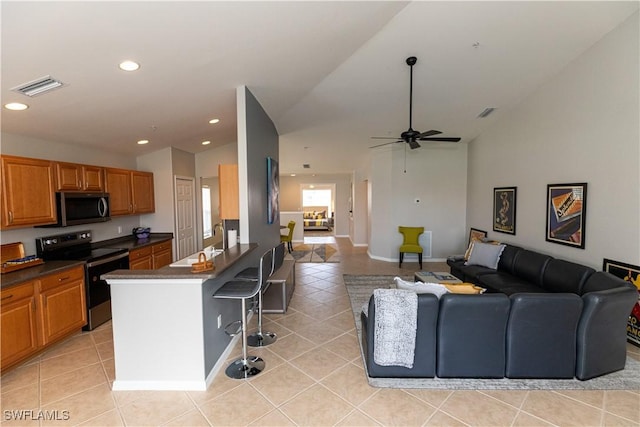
{"type": "Point", "coordinates": [314, 377]}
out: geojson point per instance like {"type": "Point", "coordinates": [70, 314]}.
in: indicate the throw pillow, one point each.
{"type": "Point", "coordinates": [485, 255]}
{"type": "Point", "coordinates": [421, 288]}
{"type": "Point", "coordinates": [467, 253]}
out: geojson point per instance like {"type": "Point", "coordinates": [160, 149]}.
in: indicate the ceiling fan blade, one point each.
{"type": "Point", "coordinates": [429, 133]}
{"type": "Point", "coordinates": [414, 144]}
{"type": "Point", "coordinates": [384, 137]}
{"type": "Point", "coordinates": [386, 143]}
{"type": "Point", "coordinates": [443, 139]}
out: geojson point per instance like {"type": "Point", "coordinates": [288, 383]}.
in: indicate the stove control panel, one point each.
{"type": "Point", "coordinates": [61, 240]}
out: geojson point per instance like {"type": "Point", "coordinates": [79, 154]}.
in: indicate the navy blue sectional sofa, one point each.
{"type": "Point", "coordinates": [541, 317]}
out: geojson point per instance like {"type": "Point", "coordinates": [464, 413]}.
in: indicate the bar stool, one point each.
{"type": "Point", "coordinates": [246, 366]}
{"type": "Point", "coordinates": [261, 338]}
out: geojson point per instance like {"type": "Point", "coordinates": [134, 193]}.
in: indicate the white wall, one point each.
{"type": "Point", "coordinates": [436, 175]}
{"type": "Point", "coordinates": [581, 126]}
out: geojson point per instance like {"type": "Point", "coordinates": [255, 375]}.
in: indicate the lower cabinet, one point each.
{"type": "Point", "coordinates": [37, 313]}
{"type": "Point", "coordinates": [18, 319]}
{"type": "Point", "coordinates": [151, 257]}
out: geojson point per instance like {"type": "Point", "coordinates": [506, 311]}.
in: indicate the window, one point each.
{"type": "Point", "coordinates": [318, 197]}
{"type": "Point", "coordinates": [206, 212]}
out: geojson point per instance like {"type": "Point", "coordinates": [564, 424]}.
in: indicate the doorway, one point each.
{"type": "Point", "coordinates": [185, 203]}
{"type": "Point", "coordinates": [318, 209]}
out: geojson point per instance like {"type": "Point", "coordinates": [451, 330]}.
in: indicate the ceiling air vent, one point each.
{"type": "Point", "coordinates": [486, 112]}
{"type": "Point", "coordinates": [306, 165]}
{"type": "Point", "coordinates": [39, 86]}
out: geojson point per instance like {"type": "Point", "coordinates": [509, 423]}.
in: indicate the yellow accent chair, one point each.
{"type": "Point", "coordinates": [288, 238]}
{"type": "Point", "coordinates": [410, 243]}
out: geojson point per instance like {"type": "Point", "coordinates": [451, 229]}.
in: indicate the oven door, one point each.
{"type": "Point", "coordinates": [97, 290]}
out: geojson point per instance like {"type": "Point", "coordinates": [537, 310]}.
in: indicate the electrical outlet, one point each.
{"type": "Point", "coordinates": [119, 230]}
{"type": "Point", "coordinates": [219, 321]}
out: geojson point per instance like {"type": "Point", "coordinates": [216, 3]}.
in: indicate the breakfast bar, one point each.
{"type": "Point", "coordinates": [168, 330]}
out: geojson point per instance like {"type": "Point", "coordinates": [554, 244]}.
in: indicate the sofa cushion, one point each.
{"type": "Point", "coordinates": [565, 276]}
{"type": "Point", "coordinates": [529, 266]}
{"type": "Point", "coordinates": [506, 283]}
{"type": "Point", "coordinates": [602, 281]}
{"type": "Point", "coordinates": [507, 258]}
{"type": "Point", "coordinates": [541, 335]}
{"type": "Point", "coordinates": [485, 255]}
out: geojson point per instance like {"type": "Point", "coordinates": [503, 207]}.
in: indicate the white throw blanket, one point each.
{"type": "Point", "coordinates": [395, 327]}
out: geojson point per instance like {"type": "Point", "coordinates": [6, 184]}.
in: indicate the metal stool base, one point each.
{"type": "Point", "coordinates": [240, 369]}
{"type": "Point", "coordinates": [261, 339]}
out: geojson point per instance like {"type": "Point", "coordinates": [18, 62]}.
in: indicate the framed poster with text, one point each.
{"type": "Point", "coordinates": [630, 273]}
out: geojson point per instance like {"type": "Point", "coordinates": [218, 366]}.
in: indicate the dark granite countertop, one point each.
{"type": "Point", "coordinates": [221, 262]}
{"type": "Point", "coordinates": [35, 272]}
{"type": "Point", "coordinates": [131, 243]}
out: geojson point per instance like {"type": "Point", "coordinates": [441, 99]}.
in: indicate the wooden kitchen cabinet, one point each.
{"type": "Point", "coordinates": [37, 313]}
{"type": "Point", "coordinates": [142, 192]}
{"type": "Point", "coordinates": [62, 304]}
{"type": "Point", "coordinates": [140, 259]}
{"type": "Point", "coordinates": [77, 177]}
{"type": "Point", "coordinates": [131, 192]}
{"type": "Point", "coordinates": [161, 254]}
{"type": "Point", "coordinates": [28, 196]}
{"type": "Point", "coordinates": [19, 323]}
{"type": "Point", "coordinates": [229, 189]}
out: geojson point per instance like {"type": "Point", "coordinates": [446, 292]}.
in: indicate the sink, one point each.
{"type": "Point", "coordinates": [192, 259]}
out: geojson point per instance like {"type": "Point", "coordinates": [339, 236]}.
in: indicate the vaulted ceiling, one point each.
{"type": "Point", "coordinates": [329, 74]}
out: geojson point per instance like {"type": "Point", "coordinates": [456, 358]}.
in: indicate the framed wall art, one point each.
{"type": "Point", "coordinates": [474, 233]}
{"type": "Point", "coordinates": [504, 209]}
{"type": "Point", "coordinates": [566, 214]}
{"type": "Point", "coordinates": [630, 273]}
{"type": "Point", "coordinates": [273, 190]}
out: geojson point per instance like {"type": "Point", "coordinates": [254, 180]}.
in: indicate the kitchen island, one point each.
{"type": "Point", "coordinates": [168, 330]}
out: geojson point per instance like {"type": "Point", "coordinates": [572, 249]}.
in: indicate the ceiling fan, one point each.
{"type": "Point", "coordinates": [411, 136]}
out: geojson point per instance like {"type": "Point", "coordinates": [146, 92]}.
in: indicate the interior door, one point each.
{"type": "Point", "coordinates": [185, 217]}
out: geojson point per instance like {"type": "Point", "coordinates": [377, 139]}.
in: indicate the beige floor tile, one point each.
{"type": "Point", "coordinates": [111, 418]}
{"type": "Point", "coordinates": [296, 321]}
{"type": "Point", "coordinates": [510, 397]}
{"type": "Point", "coordinates": [345, 346]}
{"type": "Point", "coordinates": [70, 383]}
{"type": "Point", "coordinates": [623, 404]}
{"type": "Point", "coordinates": [274, 418]}
{"type": "Point", "coordinates": [193, 418]}
{"type": "Point", "coordinates": [157, 407]}
{"type": "Point", "coordinates": [319, 332]}
{"type": "Point", "coordinates": [560, 410]}
{"type": "Point", "coordinates": [318, 363]}
{"type": "Point", "coordinates": [105, 350]}
{"type": "Point", "coordinates": [325, 311]}
{"type": "Point", "coordinates": [221, 384]}
{"type": "Point", "coordinates": [71, 361]}
{"type": "Point", "coordinates": [20, 376]}
{"type": "Point", "coordinates": [357, 419]}
{"type": "Point", "coordinates": [316, 406]}
{"type": "Point", "coordinates": [83, 406]}
{"type": "Point", "coordinates": [343, 321]}
{"type": "Point", "coordinates": [239, 407]}
{"type": "Point", "coordinates": [27, 397]}
{"type": "Point", "coordinates": [350, 383]}
{"type": "Point", "coordinates": [398, 408]}
{"type": "Point", "coordinates": [527, 420]}
{"type": "Point", "coordinates": [102, 333]}
{"type": "Point", "coordinates": [74, 343]}
{"type": "Point", "coordinates": [610, 420]}
{"type": "Point", "coordinates": [590, 397]}
{"type": "Point", "coordinates": [282, 383]}
{"type": "Point", "coordinates": [432, 397]}
{"type": "Point", "coordinates": [477, 409]}
{"type": "Point", "coordinates": [440, 419]}
{"type": "Point", "coordinates": [291, 346]}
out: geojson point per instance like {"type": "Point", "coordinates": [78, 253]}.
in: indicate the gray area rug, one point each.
{"type": "Point", "coordinates": [360, 288]}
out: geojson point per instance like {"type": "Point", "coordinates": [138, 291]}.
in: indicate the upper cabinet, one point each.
{"type": "Point", "coordinates": [28, 192]}
{"type": "Point", "coordinates": [131, 192]}
{"type": "Point", "coordinates": [229, 189]}
{"type": "Point", "coordinates": [75, 177]}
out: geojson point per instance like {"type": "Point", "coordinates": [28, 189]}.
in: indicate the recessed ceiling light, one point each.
{"type": "Point", "coordinates": [206, 142]}
{"type": "Point", "coordinates": [129, 66]}
{"type": "Point", "coordinates": [143, 141]}
{"type": "Point", "coordinates": [293, 174]}
{"type": "Point", "coordinates": [16, 106]}
{"type": "Point", "coordinates": [214, 121]}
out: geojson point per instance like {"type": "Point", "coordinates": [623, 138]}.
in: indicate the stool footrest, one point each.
{"type": "Point", "coordinates": [233, 333]}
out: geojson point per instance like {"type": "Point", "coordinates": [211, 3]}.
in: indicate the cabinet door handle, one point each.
{"type": "Point", "coordinates": [10, 217]}
{"type": "Point", "coordinates": [62, 279]}
{"type": "Point", "coordinates": [7, 297]}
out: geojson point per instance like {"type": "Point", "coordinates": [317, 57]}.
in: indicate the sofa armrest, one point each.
{"type": "Point", "coordinates": [602, 335]}
{"type": "Point", "coordinates": [424, 365]}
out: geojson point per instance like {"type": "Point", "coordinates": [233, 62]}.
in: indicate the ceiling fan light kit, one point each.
{"type": "Point", "coordinates": [411, 136]}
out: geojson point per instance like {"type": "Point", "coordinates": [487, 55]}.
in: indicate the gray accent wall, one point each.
{"type": "Point", "coordinates": [258, 140]}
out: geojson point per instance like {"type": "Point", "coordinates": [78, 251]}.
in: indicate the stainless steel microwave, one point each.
{"type": "Point", "coordinates": [81, 208]}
